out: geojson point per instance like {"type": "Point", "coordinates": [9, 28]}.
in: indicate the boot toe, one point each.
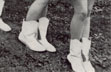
{"type": "Point", "coordinates": [51, 49]}
{"type": "Point", "coordinates": [48, 46]}
{"type": "Point", "coordinates": [5, 27]}
{"type": "Point", "coordinates": [36, 47]}
{"type": "Point", "coordinates": [88, 67]}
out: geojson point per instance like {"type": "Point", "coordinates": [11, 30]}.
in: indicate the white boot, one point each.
{"type": "Point", "coordinates": [75, 57]}
{"type": "Point", "coordinates": [3, 26]}
{"type": "Point", "coordinates": [27, 36]}
{"type": "Point", "coordinates": [43, 25]}
{"type": "Point", "coordinates": [85, 49]}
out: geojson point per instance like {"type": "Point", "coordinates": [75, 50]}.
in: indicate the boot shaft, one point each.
{"type": "Point", "coordinates": [43, 23]}
{"type": "Point", "coordinates": [75, 48]}
{"type": "Point", "coordinates": [43, 26]}
{"type": "Point", "coordinates": [29, 27]}
{"type": "Point", "coordinates": [86, 44]}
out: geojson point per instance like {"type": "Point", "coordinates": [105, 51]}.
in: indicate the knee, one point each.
{"type": "Point", "coordinates": [82, 14]}
{"type": "Point", "coordinates": [85, 13]}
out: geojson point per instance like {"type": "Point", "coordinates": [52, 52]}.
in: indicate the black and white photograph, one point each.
{"type": "Point", "coordinates": [55, 35]}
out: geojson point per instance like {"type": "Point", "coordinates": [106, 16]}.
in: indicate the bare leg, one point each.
{"type": "Point", "coordinates": [86, 30]}
{"type": "Point", "coordinates": [36, 10]}
{"type": "Point", "coordinates": [44, 12]}
{"type": "Point", "coordinates": [80, 10]}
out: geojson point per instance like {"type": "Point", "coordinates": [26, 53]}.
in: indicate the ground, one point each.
{"type": "Point", "coordinates": [16, 57]}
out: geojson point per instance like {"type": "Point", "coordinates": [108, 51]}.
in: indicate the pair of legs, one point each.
{"type": "Point", "coordinates": [30, 27]}
{"type": "Point", "coordinates": [80, 24]}
{"type": "Point", "coordinates": [80, 28]}
{"type": "Point", "coordinates": [3, 26]}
